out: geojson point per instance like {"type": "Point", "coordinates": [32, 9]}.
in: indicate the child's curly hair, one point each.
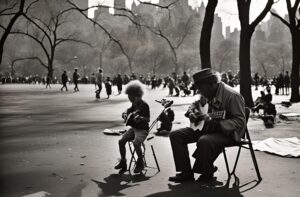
{"type": "Point", "coordinates": [135, 88]}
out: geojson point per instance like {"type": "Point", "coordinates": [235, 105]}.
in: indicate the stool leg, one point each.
{"type": "Point", "coordinates": [132, 151]}
{"type": "Point", "coordinates": [155, 158]}
{"type": "Point", "coordinates": [144, 153]}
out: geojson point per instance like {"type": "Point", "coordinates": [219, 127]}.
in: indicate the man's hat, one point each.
{"type": "Point", "coordinates": [203, 76]}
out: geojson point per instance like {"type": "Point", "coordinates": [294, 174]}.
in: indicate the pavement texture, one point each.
{"type": "Point", "coordinates": [52, 141]}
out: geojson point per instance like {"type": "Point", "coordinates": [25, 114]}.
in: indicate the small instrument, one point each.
{"type": "Point", "coordinates": [129, 118]}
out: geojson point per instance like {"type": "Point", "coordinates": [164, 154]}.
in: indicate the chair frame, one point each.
{"type": "Point", "coordinates": [134, 160]}
{"type": "Point", "coordinates": [247, 144]}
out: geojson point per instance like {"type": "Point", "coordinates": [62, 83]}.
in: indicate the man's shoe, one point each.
{"type": "Point", "coordinates": [182, 177]}
{"type": "Point", "coordinates": [139, 167]}
{"type": "Point", "coordinates": [121, 165]}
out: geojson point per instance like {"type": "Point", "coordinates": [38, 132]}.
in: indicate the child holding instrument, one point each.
{"type": "Point", "coordinates": [137, 117]}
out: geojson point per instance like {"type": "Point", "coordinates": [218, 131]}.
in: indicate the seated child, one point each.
{"type": "Point", "coordinates": [137, 117]}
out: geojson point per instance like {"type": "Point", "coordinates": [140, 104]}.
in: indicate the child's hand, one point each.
{"type": "Point", "coordinates": [124, 115]}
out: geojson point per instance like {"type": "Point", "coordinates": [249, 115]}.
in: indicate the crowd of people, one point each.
{"type": "Point", "coordinates": [174, 82]}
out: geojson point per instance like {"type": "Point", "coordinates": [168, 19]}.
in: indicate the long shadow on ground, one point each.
{"type": "Point", "coordinates": [194, 189]}
{"type": "Point", "coordinates": [115, 183]}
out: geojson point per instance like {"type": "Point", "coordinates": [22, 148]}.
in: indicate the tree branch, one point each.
{"type": "Point", "coordinates": [281, 19]}
{"type": "Point", "coordinates": [29, 58]}
{"type": "Point", "coordinates": [29, 6]}
{"type": "Point", "coordinates": [9, 8]}
{"type": "Point", "coordinates": [262, 15]}
{"type": "Point", "coordinates": [160, 6]}
{"type": "Point", "coordinates": [74, 7]}
{"type": "Point", "coordinates": [40, 28]}
{"type": "Point", "coordinates": [35, 39]}
{"type": "Point", "coordinates": [61, 40]}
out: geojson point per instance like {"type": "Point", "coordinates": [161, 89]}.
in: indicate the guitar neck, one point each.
{"type": "Point", "coordinates": [217, 115]}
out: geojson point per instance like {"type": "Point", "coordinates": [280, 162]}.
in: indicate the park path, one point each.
{"type": "Point", "coordinates": [52, 141]}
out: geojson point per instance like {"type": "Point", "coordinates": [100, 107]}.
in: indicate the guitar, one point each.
{"type": "Point", "coordinates": [198, 125]}
{"type": "Point", "coordinates": [129, 118]}
{"type": "Point", "coordinates": [200, 108]}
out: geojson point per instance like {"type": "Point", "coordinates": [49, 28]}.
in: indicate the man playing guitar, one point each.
{"type": "Point", "coordinates": [215, 132]}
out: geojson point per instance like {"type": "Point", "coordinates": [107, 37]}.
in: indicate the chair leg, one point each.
{"type": "Point", "coordinates": [236, 160]}
{"type": "Point", "coordinates": [254, 161]}
{"type": "Point", "coordinates": [226, 162]}
{"type": "Point", "coordinates": [155, 158]}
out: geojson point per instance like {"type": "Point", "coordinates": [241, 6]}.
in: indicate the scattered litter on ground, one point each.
{"type": "Point", "coordinates": [78, 174]}
{"type": "Point", "coordinates": [83, 156]}
{"type": "Point", "coordinates": [290, 116]}
{"type": "Point", "coordinates": [57, 175]}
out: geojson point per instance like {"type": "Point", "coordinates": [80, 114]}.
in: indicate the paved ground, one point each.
{"type": "Point", "coordinates": [52, 141]}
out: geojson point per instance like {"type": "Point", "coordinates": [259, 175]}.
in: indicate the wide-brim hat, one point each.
{"type": "Point", "coordinates": [203, 76]}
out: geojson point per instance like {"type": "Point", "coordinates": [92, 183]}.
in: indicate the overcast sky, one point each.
{"type": "Point", "coordinates": [226, 9]}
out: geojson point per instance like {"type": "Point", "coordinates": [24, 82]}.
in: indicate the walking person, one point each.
{"type": "Point", "coordinates": [108, 85]}
{"type": "Point", "coordinates": [119, 82]}
{"type": "Point", "coordinates": [287, 81]}
{"type": "Point", "coordinates": [48, 81]}
{"type": "Point", "coordinates": [64, 80]}
{"type": "Point", "coordinates": [93, 80]}
{"type": "Point", "coordinates": [99, 80]}
{"type": "Point", "coordinates": [76, 77]}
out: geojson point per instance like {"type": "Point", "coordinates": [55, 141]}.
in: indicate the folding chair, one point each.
{"type": "Point", "coordinates": [133, 159]}
{"type": "Point", "coordinates": [247, 144]}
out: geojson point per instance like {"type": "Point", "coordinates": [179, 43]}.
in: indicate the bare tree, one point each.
{"type": "Point", "coordinates": [15, 13]}
{"type": "Point", "coordinates": [174, 41]}
{"type": "Point", "coordinates": [247, 30]}
{"type": "Point", "coordinates": [126, 14]}
{"type": "Point", "coordinates": [48, 34]}
{"type": "Point", "coordinates": [294, 25]}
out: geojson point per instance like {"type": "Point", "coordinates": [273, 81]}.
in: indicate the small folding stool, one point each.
{"type": "Point", "coordinates": [133, 158]}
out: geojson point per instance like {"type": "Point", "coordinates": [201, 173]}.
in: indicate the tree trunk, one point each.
{"type": "Point", "coordinates": [50, 68]}
{"type": "Point", "coordinates": [295, 80]}
{"type": "Point", "coordinates": [176, 67]}
{"type": "Point", "coordinates": [205, 36]}
{"type": "Point", "coordinates": [129, 63]}
{"type": "Point", "coordinates": [245, 67]}
{"type": "Point", "coordinates": [100, 60]}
